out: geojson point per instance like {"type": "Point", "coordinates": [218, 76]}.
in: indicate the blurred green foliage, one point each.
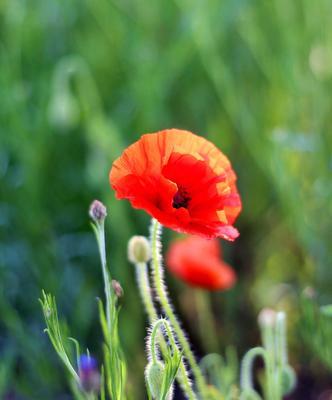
{"type": "Point", "coordinates": [316, 326]}
{"type": "Point", "coordinates": [79, 81]}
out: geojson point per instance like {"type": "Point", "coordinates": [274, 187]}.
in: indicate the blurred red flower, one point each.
{"type": "Point", "coordinates": [198, 262]}
{"type": "Point", "coordinates": [182, 180]}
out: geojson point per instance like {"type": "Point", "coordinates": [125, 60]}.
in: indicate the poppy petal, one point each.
{"type": "Point", "coordinates": [182, 180]}
{"type": "Point", "coordinates": [197, 262]}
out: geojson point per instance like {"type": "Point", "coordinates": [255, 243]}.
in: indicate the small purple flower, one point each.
{"type": "Point", "coordinates": [88, 373]}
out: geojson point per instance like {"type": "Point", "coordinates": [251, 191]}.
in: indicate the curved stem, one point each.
{"type": "Point", "coordinates": [145, 291]}
{"type": "Point", "coordinates": [165, 303]}
{"type": "Point", "coordinates": [247, 367]}
{"type": "Point", "coordinates": [153, 337]}
{"type": "Point", "coordinates": [153, 342]}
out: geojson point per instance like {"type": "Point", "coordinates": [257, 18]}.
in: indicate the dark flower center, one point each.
{"type": "Point", "coordinates": [181, 198]}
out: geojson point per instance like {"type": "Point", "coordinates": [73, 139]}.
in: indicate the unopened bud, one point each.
{"type": "Point", "coordinates": [139, 250]}
{"type": "Point", "coordinates": [154, 375]}
{"type": "Point", "coordinates": [97, 211]}
{"type": "Point", "coordinates": [89, 374]}
{"type": "Point", "coordinates": [117, 288]}
{"type": "Point", "coordinates": [267, 317]}
{"type": "Point", "coordinates": [63, 110]}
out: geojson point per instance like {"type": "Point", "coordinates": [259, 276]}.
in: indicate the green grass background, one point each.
{"type": "Point", "coordinates": [79, 81]}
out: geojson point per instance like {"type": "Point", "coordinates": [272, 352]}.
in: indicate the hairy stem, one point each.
{"type": "Point", "coordinates": [145, 291]}
{"type": "Point", "coordinates": [155, 332]}
{"type": "Point", "coordinates": [157, 269]}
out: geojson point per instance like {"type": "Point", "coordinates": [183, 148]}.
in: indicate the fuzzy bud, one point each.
{"type": "Point", "coordinates": [267, 318]}
{"type": "Point", "coordinates": [154, 374]}
{"type": "Point", "coordinates": [117, 288]}
{"type": "Point", "coordinates": [97, 211]}
{"type": "Point", "coordinates": [139, 250]}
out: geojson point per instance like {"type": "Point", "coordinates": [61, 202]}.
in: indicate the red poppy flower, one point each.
{"type": "Point", "coordinates": [182, 180]}
{"type": "Point", "coordinates": [198, 262]}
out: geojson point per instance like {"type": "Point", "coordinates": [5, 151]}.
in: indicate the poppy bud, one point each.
{"type": "Point", "coordinates": [117, 288]}
{"type": "Point", "coordinates": [154, 375]}
{"type": "Point", "coordinates": [63, 110]}
{"type": "Point", "coordinates": [89, 374]}
{"type": "Point", "coordinates": [139, 250]}
{"type": "Point", "coordinates": [97, 211]}
{"type": "Point", "coordinates": [267, 318]}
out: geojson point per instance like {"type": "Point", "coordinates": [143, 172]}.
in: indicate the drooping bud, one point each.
{"type": "Point", "coordinates": [139, 250]}
{"type": "Point", "coordinates": [89, 374]}
{"type": "Point", "coordinates": [117, 288]}
{"type": "Point", "coordinates": [154, 374]}
{"type": "Point", "coordinates": [267, 318]}
{"type": "Point", "coordinates": [63, 109]}
{"type": "Point", "coordinates": [97, 211]}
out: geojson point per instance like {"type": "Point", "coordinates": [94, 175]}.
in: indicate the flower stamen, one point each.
{"type": "Point", "coordinates": [181, 198]}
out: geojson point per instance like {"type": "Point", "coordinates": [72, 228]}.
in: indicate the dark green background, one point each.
{"type": "Point", "coordinates": [79, 81]}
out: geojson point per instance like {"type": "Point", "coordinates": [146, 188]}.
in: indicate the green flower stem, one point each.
{"type": "Point", "coordinates": [99, 229]}
{"type": "Point", "coordinates": [281, 341]}
{"type": "Point", "coordinates": [281, 351]}
{"type": "Point", "coordinates": [272, 375]}
{"type": "Point", "coordinates": [268, 341]}
{"type": "Point", "coordinates": [145, 291]}
{"type": "Point", "coordinates": [205, 320]}
{"type": "Point", "coordinates": [157, 269]}
{"type": "Point", "coordinates": [280, 378]}
{"type": "Point", "coordinates": [247, 367]}
{"type": "Point", "coordinates": [155, 331]}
